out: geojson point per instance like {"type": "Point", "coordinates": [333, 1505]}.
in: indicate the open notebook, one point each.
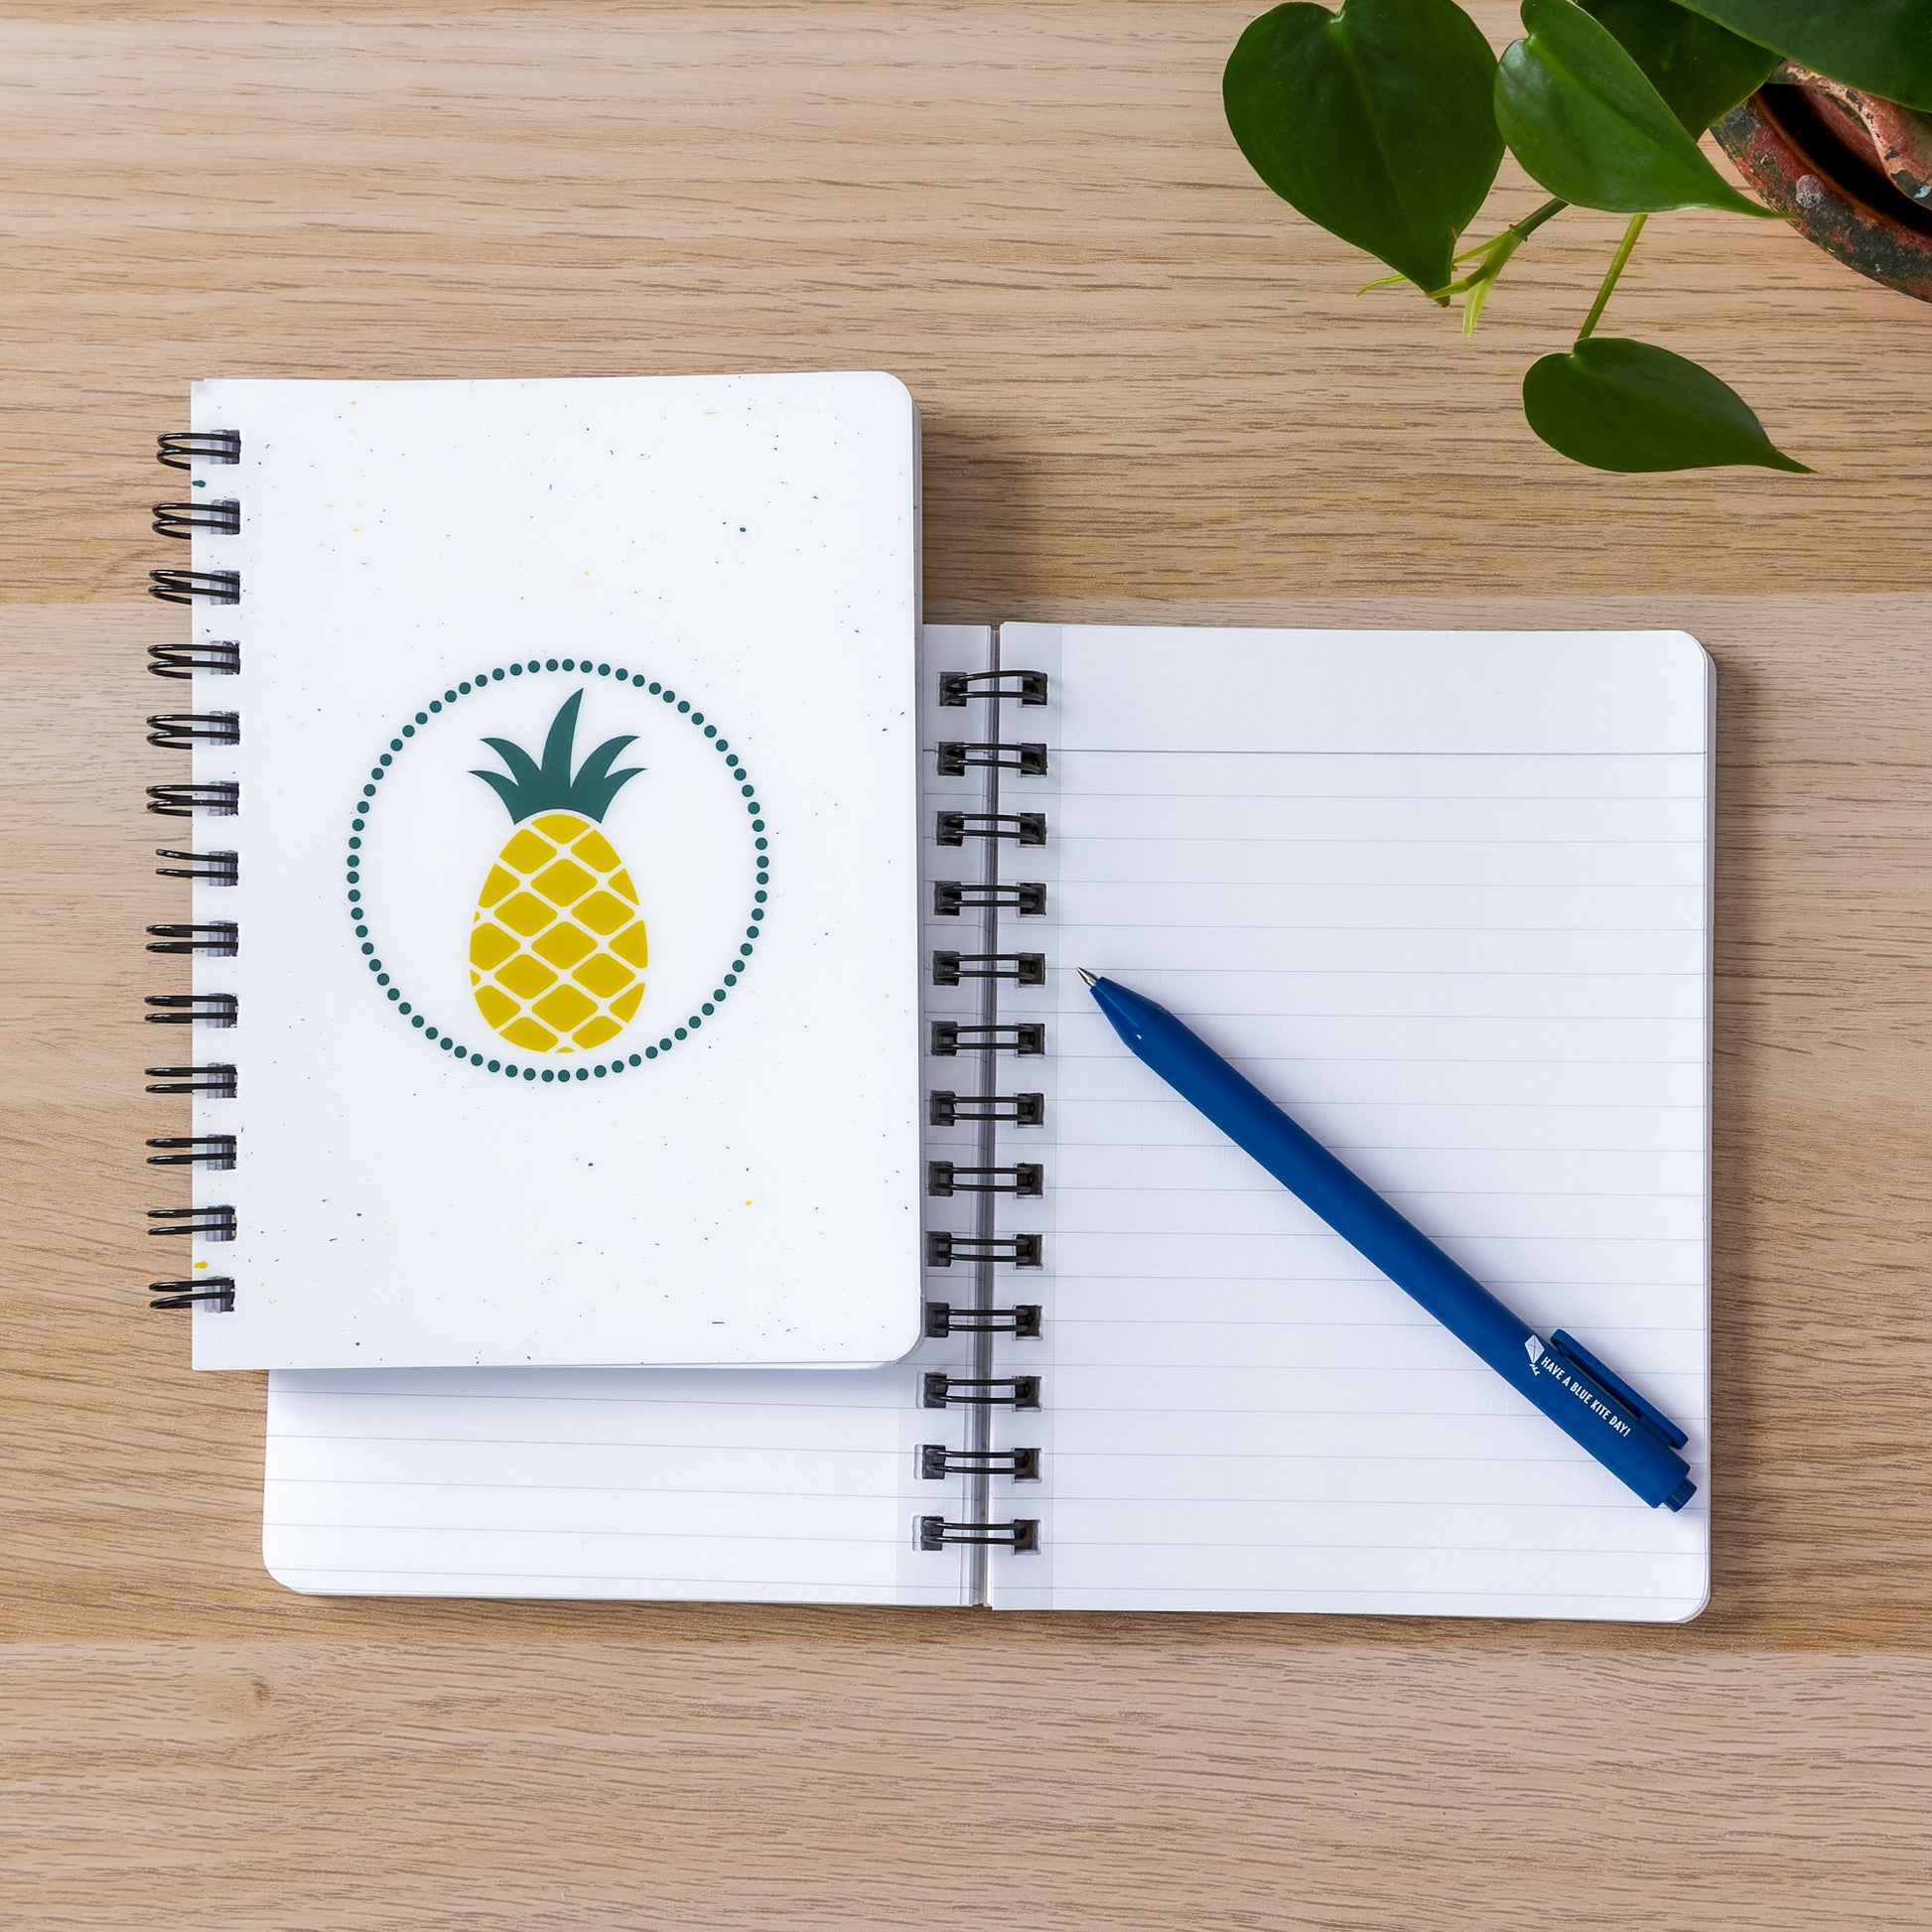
{"type": "Point", "coordinates": [1447, 898]}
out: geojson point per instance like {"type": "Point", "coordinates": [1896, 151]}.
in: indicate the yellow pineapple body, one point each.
{"type": "Point", "coordinates": [557, 949]}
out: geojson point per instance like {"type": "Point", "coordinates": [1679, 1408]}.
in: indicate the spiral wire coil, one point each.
{"type": "Point", "coordinates": [217, 657]}
{"type": "Point", "coordinates": [180, 449]}
{"type": "Point", "coordinates": [187, 731]}
{"type": "Point", "coordinates": [219, 516]}
{"type": "Point", "coordinates": [196, 586]}
{"type": "Point", "coordinates": [981, 1392]}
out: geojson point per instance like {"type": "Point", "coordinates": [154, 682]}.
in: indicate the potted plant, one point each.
{"type": "Point", "coordinates": [1386, 122]}
{"type": "Point", "coordinates": [1851, 169]}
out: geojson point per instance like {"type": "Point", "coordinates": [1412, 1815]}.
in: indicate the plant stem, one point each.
{"type": "Point", "coordinates": [1621, 256]}
{"type": "Point", "coordinates": [1516, 233]}
{"type": "Point", "coordinates": [1493, 256]}
{"type": "Point", "coordinates": [1529, 224]}
{"type": "Point", "coordinates": [1507, 242]}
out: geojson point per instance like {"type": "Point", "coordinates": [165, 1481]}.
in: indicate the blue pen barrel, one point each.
{"type": "Point", "coordinates": [1635, 1441]}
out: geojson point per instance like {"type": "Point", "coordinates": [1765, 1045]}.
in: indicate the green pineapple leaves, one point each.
{"type": "Point", "coordinates": [1376, 122]}
{"type": "Point", "coordinates": [550, 786]}
{"type": "Point", "coordinates": [1630, 406]}
{"type": "Point", "coordinates": [1702, 71]}
{"type": "Point", "coordinates": [596, 784]}
{"type": "Point", "coordinates": [1882, 45]}
{"type": "Point", "coordinates": [1579, 114]}
{"type": "Point", "coordinates": [525, 777]}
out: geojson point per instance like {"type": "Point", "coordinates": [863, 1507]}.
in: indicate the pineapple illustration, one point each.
{"type": "Point", "coordinates": [557, 949]}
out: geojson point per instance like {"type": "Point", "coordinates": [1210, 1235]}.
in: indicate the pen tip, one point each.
{"type": "Point", "coordinates": [1090, 978]}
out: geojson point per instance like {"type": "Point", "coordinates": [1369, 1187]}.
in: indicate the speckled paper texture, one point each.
{"type": "Point", "coordinates": [625, 1079]}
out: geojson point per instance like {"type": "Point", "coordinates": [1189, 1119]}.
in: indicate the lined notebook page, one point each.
{"type": "Point", "coordinates": [791, 1485]}
{"type": "Point", "coordinates": [1446, 899]}
{"type": "Point", "coordinates": [767, 1485]}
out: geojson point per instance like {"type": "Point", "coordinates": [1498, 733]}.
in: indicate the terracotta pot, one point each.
{"type": "Point", "coordinates": [1854, 170]}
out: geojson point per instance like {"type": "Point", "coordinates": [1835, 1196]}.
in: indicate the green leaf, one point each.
{"type": "Point", "coordinates": [1580, 115]}
{"type": "Point", "coordinates": [557, 746]}
{"type": "Point", "coordinates": [1701, 70]}
{"type": "Point", "coordinates": [1615, 404]}
{"type": "Point", "coordinates": [1882, 45]}
{"type": "Point", "coordinates": [1377, 122]}
{"type": "Point", "coordinates": [524, 768]}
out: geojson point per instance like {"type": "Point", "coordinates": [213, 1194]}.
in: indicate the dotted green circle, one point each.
{"type": "Point", "coordinates": [356, 852]}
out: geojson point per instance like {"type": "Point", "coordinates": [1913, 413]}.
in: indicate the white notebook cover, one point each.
{"type": "Point", "coordinates": [633, 1077]}
{"type": "Point", "coordinates": [1448, 898]}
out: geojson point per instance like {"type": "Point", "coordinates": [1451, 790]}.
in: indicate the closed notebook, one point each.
{"type": "Point", "coordinates": [1447, 898]}
{"type": "Point", "coordinates": [550, 777]}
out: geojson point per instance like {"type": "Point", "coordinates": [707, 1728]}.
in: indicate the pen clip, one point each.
{"type": "Point", "coordinates": [1573, 1352]}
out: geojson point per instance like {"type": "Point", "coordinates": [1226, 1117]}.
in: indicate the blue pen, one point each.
{"type": "Point", "coordinates": [1635, 1441]}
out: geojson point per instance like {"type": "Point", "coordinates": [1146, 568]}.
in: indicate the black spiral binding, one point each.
{"type": "Point", "coordinates": [193, 1010]}
{"type": "Point", "coordinates": [180, 449]}
{"type": "Point", "coordinates": [213, 798]}
{"type": "Point", "coordinates": [943, 1318]}
{"type": "Point", "coordinates": [220, 517]}
{"type": "Point", "coordinates": [208, 1223]}
{"type": "Point", "coordinates": [216, 1080]}
{"type": "Point", "coordinates": [956, 759]}
{"type": "Point", "coordinates": [938, 1460]}
{"type": "Point", "coordinates": [211, 1290]}
{"type": "Point", "coordinates": [196, 586]}
{"type": "Point", "coordinates": [940, 1390]}
{"type": "Point", "coordinates": [982, 1391]}
{"type": "Point", "coordinates": [210, 867]}
{"type": "Point", "coordinates": [1025, 1038]}
{"type": "Point", "coordinates": [194, 1151]}
{"type": "Point", "coordinates": [956, 687]}
{"type": "Point", "coordinates": [181, 731]}
{"type": "Point", "coordinates": [1023, 828]}
{"type": "Point", "coordinates": [955, 968]}
{"type": "Point", "coordinates": [1022, 1533]}
{"type": "Point", "coordinates": [216, 939]}
{"type": "Point", "coordinates": [220, 801]}
{"type": "Point", "coordinates": [216, 657]}
{"type": "Point", "coordinates": [947, 1109]}
{"type": "Point", "coordinates": [1018, 1250]}
{"type": "Point", "coordinates": [1024, 1180]}
{"type": "Point", "coordinates": [952, 896]}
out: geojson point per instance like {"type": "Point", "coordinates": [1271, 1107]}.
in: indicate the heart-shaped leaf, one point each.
{"type": "Point", "coordinates": [1701, 70]}
{"type": "Point", "coordinates": [1377, 122]}
{"type": "Point", "coordinates": [1580, 115]}
{"type": "Point", "coordinates": [1615, 404]}
{"type": "Point", "coordinates": [1882, 45]}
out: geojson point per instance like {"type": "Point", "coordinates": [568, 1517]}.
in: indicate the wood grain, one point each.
{"type": "Point", "coordinates": [1143, 376]}
{"type": "Point", "coordinates": [1150, 393]}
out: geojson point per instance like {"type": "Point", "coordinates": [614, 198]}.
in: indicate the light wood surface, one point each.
{"type": "Point", "coordinates": [1150, 392]}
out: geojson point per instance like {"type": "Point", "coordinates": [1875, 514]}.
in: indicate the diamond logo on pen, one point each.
{"type": "Point", "coordinates": [1534, 1349]}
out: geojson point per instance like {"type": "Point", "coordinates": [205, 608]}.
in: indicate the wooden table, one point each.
{"type": "Point", "coordinates": [1151, 394]}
